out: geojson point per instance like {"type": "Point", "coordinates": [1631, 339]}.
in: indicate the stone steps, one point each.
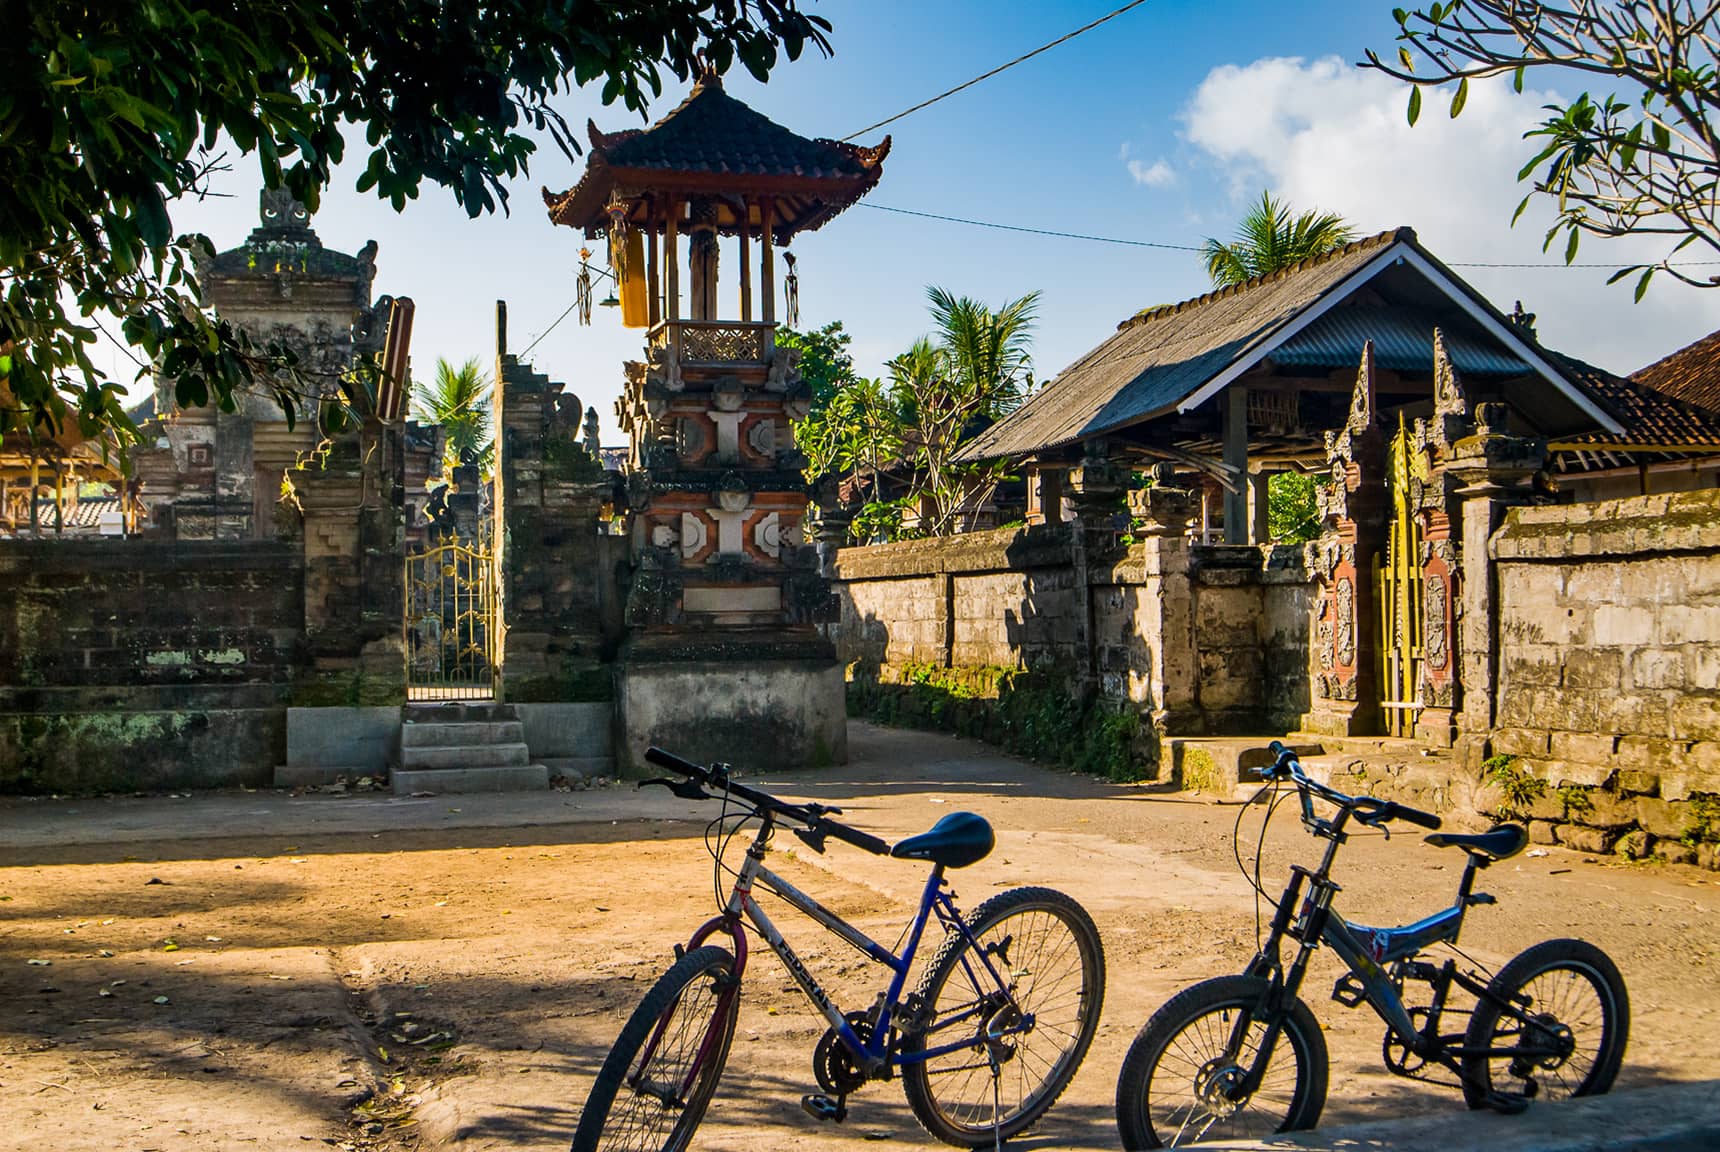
{"type": "Point", "coordinates": [464, 747]}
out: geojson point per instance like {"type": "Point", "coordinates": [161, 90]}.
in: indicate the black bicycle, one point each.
{"type": "Point", "coordinates": [1004, 1012]}
{"type": "Point", "coordinates": [1241, 1056]}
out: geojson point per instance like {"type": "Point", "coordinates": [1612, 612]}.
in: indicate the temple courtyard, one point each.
{"type": "Point", "coordinates": [266, 970]}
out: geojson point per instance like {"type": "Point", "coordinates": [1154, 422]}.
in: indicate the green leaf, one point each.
{"type": "Point", "coordinates": [1460, 98]}
{"type": "Point", "coordinates": [1414, 105]}
{"type": "Point", "coordinates": [1642, 285]}
{"type": "Point", "coordinates": [1571, 242]}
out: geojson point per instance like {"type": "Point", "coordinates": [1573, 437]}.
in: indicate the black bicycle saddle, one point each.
{"type": "Point", "coordinates": [959, 839]}
{"type": "Point", "coordinates": [1500, 842]}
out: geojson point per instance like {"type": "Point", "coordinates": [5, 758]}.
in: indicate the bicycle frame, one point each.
{"type": "Point", "coordinates": [875, 1054]}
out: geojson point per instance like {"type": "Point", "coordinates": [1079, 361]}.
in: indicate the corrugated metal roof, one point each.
{"type": "Point", "coordinates": [1163, 356]}
{"type": "Point", "coordinates": [1403, 342]}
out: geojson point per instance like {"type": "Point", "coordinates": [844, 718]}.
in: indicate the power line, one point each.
{"type": "Point", "coordinates": [999, 68]}
{"type": "Point", "coordinates": [1033, 231]}
{"type": "Point", "coordinates": [1193, 248]}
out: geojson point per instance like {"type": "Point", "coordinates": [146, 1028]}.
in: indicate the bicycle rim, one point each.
{"type": "Point", "coordinates": [1041, 957]}
{"type": "Point", "coordinates": [1564, 998]}
{"type": "Point", "coordinates": [1196, 1060]}
{"type": "Point", "coordinates": [663, 1096]}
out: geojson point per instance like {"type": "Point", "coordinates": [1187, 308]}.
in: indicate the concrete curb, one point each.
{"type": "Point", "coordinates": [1665, 1118]}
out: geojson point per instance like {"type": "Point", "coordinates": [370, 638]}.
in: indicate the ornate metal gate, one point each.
{"type": "Point", "coordinates": [450, 624]}
{"type": "Point", "coordinates": [1397, 576]}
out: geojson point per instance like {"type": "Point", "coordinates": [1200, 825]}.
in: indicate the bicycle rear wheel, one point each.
{"type": "Point", "coordinates": [1563, 1034]}
{"type": "Point", "coordinates": [1174, 1088]}
{"type": "Point", "coordinates": [1045, 949]}
{"type": "Point", "coordinates": [657, 1081]}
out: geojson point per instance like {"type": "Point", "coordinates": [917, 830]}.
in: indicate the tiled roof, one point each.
{"type": "Point", "coordinates": [713, 141]}
{"type": "Point", "coordinates": [1164, 355]}
{"type": "Point", "coordinates": [711, 131]}
{"type": "Point", "coordinates": [87, 515]}
{"type": "Point", "coordinates": [1691, 374]}
{"type": "Point", "coordinates": [1651, 418]}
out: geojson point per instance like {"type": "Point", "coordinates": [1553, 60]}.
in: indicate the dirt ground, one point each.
{"type": "Point", "coordinates": [257, 971]}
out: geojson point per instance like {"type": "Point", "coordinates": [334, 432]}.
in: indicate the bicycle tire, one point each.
{"type": "Point", "coordinates": [637, 1126]}
{"type": "Point", "coordinates": [1019, 910]}
{"type": "Point", "coordinates": [1520, 975]}
{"type": "Point", "coordinates": [1144, 1067]}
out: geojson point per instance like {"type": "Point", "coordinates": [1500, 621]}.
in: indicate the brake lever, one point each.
{"type": "Point", "coordinates": [684, 788]}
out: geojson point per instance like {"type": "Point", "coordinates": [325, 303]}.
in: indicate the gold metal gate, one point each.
{"type": "Point", "coordinates": [450, 625]}
{"type": "Point", "coordinates": [1398, 579]}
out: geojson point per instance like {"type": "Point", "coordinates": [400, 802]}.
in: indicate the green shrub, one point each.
{"type": "Point", "coordinates": [1519, 788]}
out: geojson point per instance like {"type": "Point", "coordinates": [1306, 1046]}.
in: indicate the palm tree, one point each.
{"type": "Point", "coordinates": [1270, 239]}
{"type": "Point", "coordinates": [987, 352]}
{"type": "Point", "coordinates": [459, 401]}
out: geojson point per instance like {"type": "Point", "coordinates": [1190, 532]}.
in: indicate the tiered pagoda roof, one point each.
{"type": "Point", "coordinates": [713, 145]}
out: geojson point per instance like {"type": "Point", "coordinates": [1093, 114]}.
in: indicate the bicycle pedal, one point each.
{"type": "Point", "coordinates": [1349, 991]}
{"type": "Point", "coordinates": [821, 1107]}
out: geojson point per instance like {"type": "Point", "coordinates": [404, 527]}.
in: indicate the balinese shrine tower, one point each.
{"type": "Point", "coordinates": [723, 659]}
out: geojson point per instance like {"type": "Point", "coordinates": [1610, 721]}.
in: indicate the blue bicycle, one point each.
{"type": "Point", "coordinates": [1002, 1017]}
{"type": "Point", "coordinates": [1241, 1057]}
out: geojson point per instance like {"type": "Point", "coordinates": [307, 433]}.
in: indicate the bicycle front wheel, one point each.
{"type": "Point", "coordinates": [654, 1087]}
{"type": "Point", "coordinates": [1553, 1024]}
{"type": "Point", "coordinates": [1039, 956]}
{"type": "Point", "coordinates": [1178, 1080]}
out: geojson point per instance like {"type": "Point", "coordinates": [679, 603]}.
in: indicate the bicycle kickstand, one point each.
{"type": "Point", "coordinates": [996, 1099]}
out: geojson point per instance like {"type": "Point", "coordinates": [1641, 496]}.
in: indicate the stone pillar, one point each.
{"type": "Point", "coordinates": [354, 533]}
{"type": "Point", "coordinates": [560, 601]}
{"type": "Point", "coordinates": [1495, 470]}
{"type": "Point", "coordinates": [1098, 488]}
{"type": "Point", "coordinates": [1164, 513]}
{"type": "Point", "coordinates": [1346, 684]}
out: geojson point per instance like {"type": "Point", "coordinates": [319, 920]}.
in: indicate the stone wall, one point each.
{"type": "Point", "coordinates": [1179, 638]}
{"type": "Point", "coordinates": [1609, 669]}
{"type": "Point", "coordinates": [128, 664]}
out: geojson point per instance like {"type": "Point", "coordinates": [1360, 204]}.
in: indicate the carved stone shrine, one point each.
{"type": "Point", "coordinates": [723, 658]}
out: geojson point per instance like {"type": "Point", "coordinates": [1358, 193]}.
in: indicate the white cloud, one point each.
{"type": "Point", "coordinates": [1155, 175]}
{"type": "Point", "coordinates": [1326, 134]}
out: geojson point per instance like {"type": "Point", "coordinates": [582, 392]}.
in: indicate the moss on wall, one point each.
{"type": "Point", "coordinates": [1037, 714]}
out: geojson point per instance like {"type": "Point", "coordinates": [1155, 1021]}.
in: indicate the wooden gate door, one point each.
{"type": "Point", "coordinates": [450, 624]}
{"type": "Point", "coordinates": [1398, 579]}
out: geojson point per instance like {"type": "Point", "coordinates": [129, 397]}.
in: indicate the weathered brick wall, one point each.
{"type": "Point", "coordinates": [1609, 682]}
{"type": "Point", "coordinates": [133, 664]}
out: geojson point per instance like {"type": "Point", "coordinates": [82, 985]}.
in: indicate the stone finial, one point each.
{"type": "Point", "coordinates": [1450, 421]}
{"type": "Point", "coordinates": [1363, 401]}
{"type": "Point", "coordinates": [278, 211]}
{"type": "Point", "coordinates": [592, 442]}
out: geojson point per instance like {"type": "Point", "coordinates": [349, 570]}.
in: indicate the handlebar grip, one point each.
{"type": "Point", "coordinates": [674, 763]}
{"type": "Point", "coordinates": [1428, 820]}
{"type": "Point", "coordinates": [1277, 748]}
{"type": "Point", "coordinates": [859, 839]}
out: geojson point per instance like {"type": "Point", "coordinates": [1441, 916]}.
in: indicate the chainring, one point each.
{"type": "Point", "coordinates": [834, 1065]}
{"type": "Point", "coordinates": [1398, 1058]}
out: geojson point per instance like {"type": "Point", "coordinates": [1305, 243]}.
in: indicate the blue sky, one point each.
{"type": "Point", "coordinates": [1160, 125]}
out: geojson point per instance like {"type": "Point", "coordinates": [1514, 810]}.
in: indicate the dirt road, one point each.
{"type": "Point", "coordinates": [253, 971]}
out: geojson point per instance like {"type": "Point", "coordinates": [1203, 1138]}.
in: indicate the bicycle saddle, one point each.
{"type": "Point", "coordinates": [959, 839]}
{"type": "Point", "coordinates": [1500, 842]}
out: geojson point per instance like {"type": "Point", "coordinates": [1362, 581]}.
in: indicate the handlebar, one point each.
{"type": "Point", "coordinates": [1368, 809]}
{"type": "Point", "coordinates": [814, 816]}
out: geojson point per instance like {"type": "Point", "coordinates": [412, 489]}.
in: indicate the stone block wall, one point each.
{"type": "Point", "coordinates": [1182, 639]}
{"type": "Point", "coordinates": [130, 664]}
{"type": "Point", "coordinates": [1609, 669]}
